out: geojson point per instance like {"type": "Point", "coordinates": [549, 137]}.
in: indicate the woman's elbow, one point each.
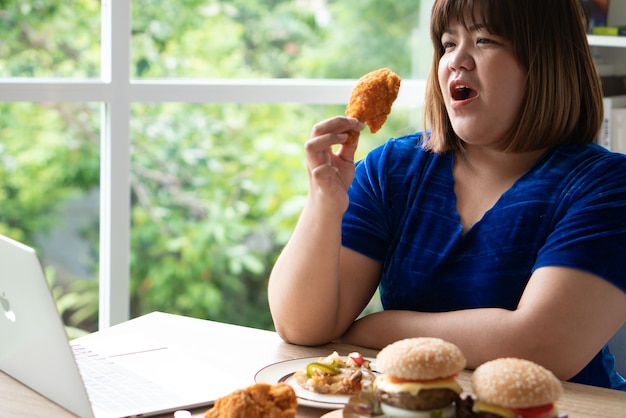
{"type": "Point", "coordinates": [564, 362]}
{"type": "Point", "coordinates": [298, 336]}
{"type": "Point", "coordinates": [307, 334]}
{"type": "Point", "coordinates": [567, 370]}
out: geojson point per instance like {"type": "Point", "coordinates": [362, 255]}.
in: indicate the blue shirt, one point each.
{"type": "Point", "coordinates": [568, 210]}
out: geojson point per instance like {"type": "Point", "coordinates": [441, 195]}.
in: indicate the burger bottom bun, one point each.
{"type": "Point", "coordinates": [395, 412]}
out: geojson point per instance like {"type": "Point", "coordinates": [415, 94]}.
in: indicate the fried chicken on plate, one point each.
{"type": "Point", "coordinates": [261, 400]}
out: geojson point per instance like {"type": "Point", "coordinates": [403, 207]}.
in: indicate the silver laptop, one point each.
{"type": "Point", "coordinates": [157, 371]}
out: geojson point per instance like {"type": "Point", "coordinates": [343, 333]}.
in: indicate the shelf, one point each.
{"type": "Point", "coordinates": [610, 41]}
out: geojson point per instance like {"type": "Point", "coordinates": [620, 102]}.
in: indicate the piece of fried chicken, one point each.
{"type": "Point", "coordinates": [371, 100]}
{"type": "Point", "coordinates": [261, 400]}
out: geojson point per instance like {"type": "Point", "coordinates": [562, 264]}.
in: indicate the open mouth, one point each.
{"type": "Point", "coordinates": [462, 93]}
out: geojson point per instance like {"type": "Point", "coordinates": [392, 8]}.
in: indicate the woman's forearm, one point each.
{"type": "Point", "coordinates": [304, 286]}
{"type": "Point", "coordinates": [482, 334]}
{"type": "Point", "coordinates": [304, 289]}
{"type": "Point", "coordinates": [474, 331]}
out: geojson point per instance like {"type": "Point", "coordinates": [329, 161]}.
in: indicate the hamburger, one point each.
{"type": "Point", "coordinates": [515, 388]}
{"type": "Point", "coordinates": [418, 378]}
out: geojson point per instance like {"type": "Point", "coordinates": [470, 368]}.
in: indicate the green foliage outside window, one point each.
{"type": "Point", "coordinates": [216, 189]}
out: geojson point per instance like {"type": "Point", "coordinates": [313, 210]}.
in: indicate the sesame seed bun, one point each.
{"type": "Point", "coordinates": [420, 359]}
{"type": "Point", "coordinates": [515, 383]}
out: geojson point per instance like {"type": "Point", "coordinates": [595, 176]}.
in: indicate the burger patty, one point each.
{"type": "Point", "coordinates": [425, 399]}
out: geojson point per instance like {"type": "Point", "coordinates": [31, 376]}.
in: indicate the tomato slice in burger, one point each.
{"type": "Point", "coordinates": [543, 411]}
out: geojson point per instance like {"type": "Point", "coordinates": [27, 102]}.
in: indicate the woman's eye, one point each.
{"type": "Point", "coordinates": [447, 45]}
{"type": "Point", "coordinates": [488, 41]}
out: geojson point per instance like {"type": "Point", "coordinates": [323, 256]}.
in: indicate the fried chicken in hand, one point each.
{"type": "Point", "coordinates": [371, 100]}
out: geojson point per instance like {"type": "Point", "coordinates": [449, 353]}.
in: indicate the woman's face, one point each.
{"type": "Point", "coordinates": [482, 83]}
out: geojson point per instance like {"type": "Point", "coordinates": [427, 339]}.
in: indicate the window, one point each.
{"type": "Point", "coordinates": [179, 126]}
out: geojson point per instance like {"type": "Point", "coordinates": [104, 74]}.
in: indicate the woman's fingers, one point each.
{"type": "Point", "coordinates": [327, 133]}
{"type": "Point", "coordinates": [337, 124]}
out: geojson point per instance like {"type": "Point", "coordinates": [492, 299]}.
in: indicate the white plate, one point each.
{"type": "Point", "coordinates": [283, 372]}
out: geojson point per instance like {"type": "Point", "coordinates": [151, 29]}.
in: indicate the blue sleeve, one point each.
{"type": "Point", "coordinates": [365, 227]}
{"type": "Point", "coordinates": [590, 232]}
{"type": "Point", "coordinates": [385, 182]}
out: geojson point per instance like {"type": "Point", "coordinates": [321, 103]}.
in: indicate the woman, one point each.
{"type": "Point", "coordinates": [503, 230]}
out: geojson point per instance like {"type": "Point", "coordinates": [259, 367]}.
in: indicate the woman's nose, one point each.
{"type": "Point", "coordinates": [461, 58]}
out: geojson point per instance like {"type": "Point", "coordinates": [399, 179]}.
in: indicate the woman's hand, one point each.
{"type": "Point", "coordinates": [331, 173]}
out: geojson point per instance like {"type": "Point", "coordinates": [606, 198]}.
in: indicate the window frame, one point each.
{"type": "Point", "coordinates": [117, 91]}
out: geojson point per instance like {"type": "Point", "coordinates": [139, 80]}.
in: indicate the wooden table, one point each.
{"type": "Point", "coordinates": [254, 349]}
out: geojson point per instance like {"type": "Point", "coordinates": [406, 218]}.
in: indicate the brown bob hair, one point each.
{"type": "Point", "coordinates": [563, 100]}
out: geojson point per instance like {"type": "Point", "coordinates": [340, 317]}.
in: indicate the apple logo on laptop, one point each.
{"type": "Point", "coordinates": [6, 307]}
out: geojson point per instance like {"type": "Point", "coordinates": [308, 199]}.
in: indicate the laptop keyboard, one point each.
{"type": "Point", "coordinates": [115, 389]}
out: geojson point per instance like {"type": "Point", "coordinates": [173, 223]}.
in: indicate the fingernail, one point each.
{"type": "Point", "coordinates": [358, 124]}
